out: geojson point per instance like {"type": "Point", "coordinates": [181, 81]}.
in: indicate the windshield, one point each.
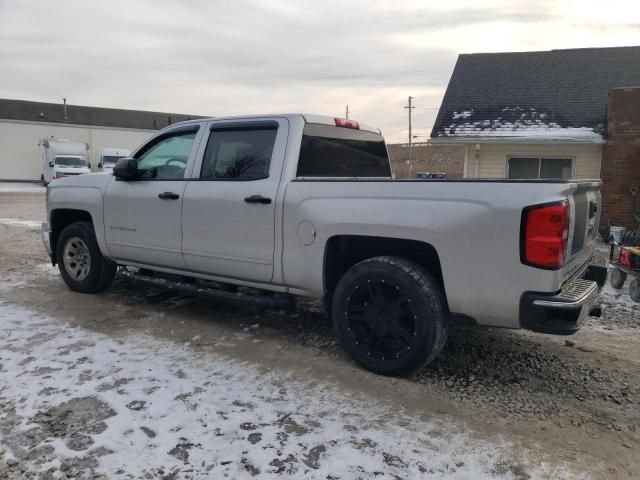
{"type": "Point", "coordinates": [110, 160]}
{"type": "Point", "coordinates": [76, 162]}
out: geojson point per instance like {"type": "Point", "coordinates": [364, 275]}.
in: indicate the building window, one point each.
{"type": "Point", "coordinates": [539, 167]}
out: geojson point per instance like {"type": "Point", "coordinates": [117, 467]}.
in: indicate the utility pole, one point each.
{"type": "Point", "coordinates": [347, 113]}
{"type": "Point", "coordinates": [410, 108]}
{"type": "Point", "coordinates": [64, 101]}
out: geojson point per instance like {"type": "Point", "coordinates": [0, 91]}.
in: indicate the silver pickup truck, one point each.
{"type": "Point", "coordinates": [306, 205]}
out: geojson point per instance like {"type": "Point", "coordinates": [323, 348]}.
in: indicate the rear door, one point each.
{"type": "Point", "coordinates": [229, 208]}
{"type": "Point", "coordinates": [143, 216]}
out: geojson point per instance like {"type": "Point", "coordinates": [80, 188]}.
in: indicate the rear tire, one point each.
{"type": "Point", "coordinates": [618, 277]}
{"type": "Point", "coordinates": [390, 315]}
{"type": "Point", "coordinates": [81, 264]}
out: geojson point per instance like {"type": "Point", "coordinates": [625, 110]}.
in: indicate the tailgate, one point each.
{"type": "Point", "coordinates": [583, 229]}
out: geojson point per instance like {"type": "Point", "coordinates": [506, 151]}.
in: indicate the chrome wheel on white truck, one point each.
{"type": "Point", "coordinates": [81, 264]}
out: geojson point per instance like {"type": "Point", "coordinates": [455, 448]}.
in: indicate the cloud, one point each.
{"type": "Point", "coordinates": [247, 56]}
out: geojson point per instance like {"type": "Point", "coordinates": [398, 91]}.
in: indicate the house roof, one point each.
{"type": "Point", "coordinates": [546, 95]}
{"type": "Point", "coordinates": [81, 115]}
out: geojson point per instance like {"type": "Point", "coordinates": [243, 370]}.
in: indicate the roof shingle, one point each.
{"type": "Point", "coordinates": [559, 93]}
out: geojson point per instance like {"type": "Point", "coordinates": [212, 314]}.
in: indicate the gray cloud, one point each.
{"type": "Point", "coordinates": [218, 57]}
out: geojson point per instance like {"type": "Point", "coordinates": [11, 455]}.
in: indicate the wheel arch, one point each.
{"type": "Point", "coordinates": [62, 217]}
{"type": "Point", "coordinates": [344, 251]}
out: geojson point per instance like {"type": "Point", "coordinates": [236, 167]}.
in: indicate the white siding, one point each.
{"type": "Point", "coordinates": [492, 157]}
{"type": "Point", "coordinates": [21, 158]}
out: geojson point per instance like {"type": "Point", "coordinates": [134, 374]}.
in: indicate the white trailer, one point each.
{"type": "Point", "coordinates": [109, 157]}
{"type": "Point", "coordinates": [62, 158]}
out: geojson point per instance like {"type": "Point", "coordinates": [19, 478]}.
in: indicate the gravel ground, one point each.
{"type": "Point", "coordinates": [528, 405]}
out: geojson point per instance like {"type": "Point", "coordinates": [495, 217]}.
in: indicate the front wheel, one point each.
{"type": "Point", "coordinates": [81, 264]}
{"type": "Point", "coordinates": [390, 315]}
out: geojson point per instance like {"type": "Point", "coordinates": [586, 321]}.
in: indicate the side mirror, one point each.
{"type": "Point", "coordinates": [51, 164]}
{"type": "Point", "coordinates": [126, 168]}
{"type": "Point", "coordinates": [99, 164]}
{"type": "Point", "coordinates": [89, 165]}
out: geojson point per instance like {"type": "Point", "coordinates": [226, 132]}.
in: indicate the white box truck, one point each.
{"type": "Point", "coordinates": [109, 157]}
{"type": "Point", "coordinates": [62, 158]}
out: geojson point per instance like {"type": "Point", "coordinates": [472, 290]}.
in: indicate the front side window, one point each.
{"type": "Point", "coordinates": [540, 167]}
{"type": "Point", "coordinates": [328, 151]}
{"type": "Point", "coordinates": [166, 159]}
{"type": "Point", "coordinates": [242, 153]}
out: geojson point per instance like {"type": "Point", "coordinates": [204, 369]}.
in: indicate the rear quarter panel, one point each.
{"type": "Point", "coordinates": [473, 225]}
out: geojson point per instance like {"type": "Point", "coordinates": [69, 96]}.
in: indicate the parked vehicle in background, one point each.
{"type": "Point", "coordinates": [427, 175]}
{"type": "Point", "coordinates": [305, 205]}
{"type": "Point", "coordinates": [109, 157]}
{"type": "Point", "coordinates": [62, 158]}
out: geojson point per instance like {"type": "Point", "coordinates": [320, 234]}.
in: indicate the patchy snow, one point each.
{"type": "Point", "coordinates": [163, 408]}
{"type": "Point", "coordinates": [21, 187]}
{"type": "Point", "coordinates": [49, 270]}
{"type": "Point", "coordinates": [20, 223]}
{"type": "Point", "coordinates": [464, 114]}
{"type": "Point", "coordinates": [550, 131]}
{"type": "Point", "coordinates": [620, 299]}
{"type": "Point", "coordinates": [515, 122]}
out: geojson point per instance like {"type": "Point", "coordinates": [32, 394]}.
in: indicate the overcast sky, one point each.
{"type": "Point", "coordinates": [258, 56]}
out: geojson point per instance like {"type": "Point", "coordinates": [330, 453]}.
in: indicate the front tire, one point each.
{"type": "Point", "coordinates": [81, 264]}
{"type": "Point", "coordinates": [390, 315]}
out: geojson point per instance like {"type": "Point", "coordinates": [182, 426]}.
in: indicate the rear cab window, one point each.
{"type": "Point", "coordinates": [338, 152]}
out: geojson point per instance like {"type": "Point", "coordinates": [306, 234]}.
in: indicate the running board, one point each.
{"type": "Point", "coordinates": [275, 301]}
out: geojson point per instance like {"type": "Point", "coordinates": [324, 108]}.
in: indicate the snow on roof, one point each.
{"type": "Point", "coordinates": [516, 122]}
{"type": "Point", "coordinates": [563, 93]}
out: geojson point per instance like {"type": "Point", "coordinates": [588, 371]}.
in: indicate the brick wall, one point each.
{"type": "Point", "coordinates": [621, 158]}
{"type": "Point", "coordinates": [427, 158]}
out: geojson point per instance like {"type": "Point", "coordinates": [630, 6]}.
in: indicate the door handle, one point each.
{"type": "Point", "coordinates": [168, 196]}
{"type": "Point", "coordinates": [258, 199]}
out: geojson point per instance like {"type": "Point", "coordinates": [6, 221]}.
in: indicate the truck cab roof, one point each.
{"type": "Point", "coordinates": [306, 117]}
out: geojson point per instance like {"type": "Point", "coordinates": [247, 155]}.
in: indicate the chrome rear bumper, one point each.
{"type": "Point", "coordinates": [564, 312]}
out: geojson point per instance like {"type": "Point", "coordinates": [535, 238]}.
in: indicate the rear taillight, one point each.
{"type": "Point", "coordinates": [343, 122]}
{"type": "Point", "coordinates": [544, 234]}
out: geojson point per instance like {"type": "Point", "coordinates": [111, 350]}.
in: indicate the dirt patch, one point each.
{"type": "Point", "coordinates": [76, 421]}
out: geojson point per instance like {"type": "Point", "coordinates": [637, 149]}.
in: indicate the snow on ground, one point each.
{"type": "Point", "coordinates": [619, 299]}
{"type": "Point", "coordinates": [20, 223]}
{"type": "Point", "coordinates": [137, 406]}
{"type": "Point", "coordinates": [21, 187]}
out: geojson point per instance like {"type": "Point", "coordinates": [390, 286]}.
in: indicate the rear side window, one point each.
{"type": "Point", "coordinates": [239, 153]}
{"type": "Point", "coordinates": [328, 151]}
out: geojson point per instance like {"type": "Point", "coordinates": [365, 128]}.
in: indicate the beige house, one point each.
{"type": "Point", "coordinates": [533, 114]}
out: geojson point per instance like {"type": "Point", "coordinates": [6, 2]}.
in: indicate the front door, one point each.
{"type": "Point", "coordinates": [228, 214]}
{"type": "Point", "coordinates": [143, 216]}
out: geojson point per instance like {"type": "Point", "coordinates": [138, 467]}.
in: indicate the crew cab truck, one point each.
{"type": "Point", "coordinates": [305, 205]}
